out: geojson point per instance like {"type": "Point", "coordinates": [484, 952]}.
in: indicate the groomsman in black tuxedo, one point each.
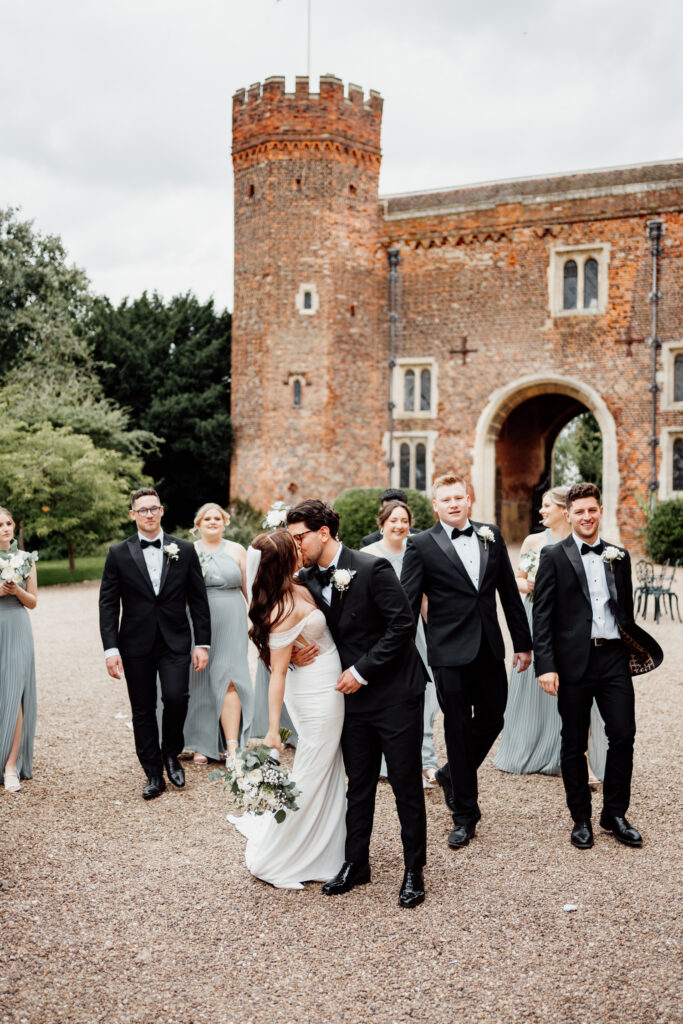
{"type": "Point", "coordinates": [383, 682]}
{"type": "Point", "coordinates": [150, 580]}
{"type": "Point", "coordinates": [460, 566]}
{"type": "Point", "coordinates": [586, 645]}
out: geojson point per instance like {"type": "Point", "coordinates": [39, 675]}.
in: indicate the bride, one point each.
{"type": "Point", "coordinates": [309, 844]}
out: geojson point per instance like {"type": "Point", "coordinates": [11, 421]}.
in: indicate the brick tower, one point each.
{"type": "Point", "coordinates": [308, 363]}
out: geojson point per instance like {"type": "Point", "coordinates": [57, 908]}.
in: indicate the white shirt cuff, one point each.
{"type": "Point", "coordinates": [359, 678]}
{"type": "Point", "coordinates": [112, 652]}
{"type": "Point", "coordinates": [205, 646]}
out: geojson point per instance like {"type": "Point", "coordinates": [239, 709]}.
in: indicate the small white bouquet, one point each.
{"type": "Point", "coordinates": [16, 565]}
{"type": "Point", "coordinates": [276, 516]}
{"type": "Point", "coordinates": [529, 563]}
{"type": "Point", "coordinates": [259, 783]}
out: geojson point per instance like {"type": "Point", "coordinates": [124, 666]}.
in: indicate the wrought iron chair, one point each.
{"type": "Point", "coordinates": [662, 590]}
{"type": "Point", "coordinates": [645, 574]}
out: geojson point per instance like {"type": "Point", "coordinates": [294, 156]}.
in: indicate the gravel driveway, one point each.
{"type": "Point", "coordinates": [117, 910]}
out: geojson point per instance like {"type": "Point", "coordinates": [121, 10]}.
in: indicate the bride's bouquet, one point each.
{"type": "Point", "coordinates": [276, 516]}
{"type": "Point", "coordinates": [259, 783]}
{"type": "Point", "coordinates": [16, 565]}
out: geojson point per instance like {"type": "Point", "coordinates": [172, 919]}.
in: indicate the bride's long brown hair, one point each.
{"type": "Point", "coordinates": [273, 587]}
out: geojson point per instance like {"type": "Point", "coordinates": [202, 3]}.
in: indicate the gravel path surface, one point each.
{"type": "Point", "coordinates": [118, 910]}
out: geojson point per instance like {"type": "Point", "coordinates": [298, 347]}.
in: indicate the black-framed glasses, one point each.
{"type": "Point", "coordinates": [297, 536]}
{"type": "Point", "coordinates": [152, 511]}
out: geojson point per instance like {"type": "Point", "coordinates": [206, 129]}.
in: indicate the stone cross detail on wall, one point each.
{"type": "Point", "coordinates": [463, 351]}
{"type": "Point", "coordinates": [628, 340]}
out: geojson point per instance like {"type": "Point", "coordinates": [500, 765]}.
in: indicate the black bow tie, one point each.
{"type": "Point", "coordinates": [150, 543]}
{"type": "Point", "coordinates": [597, 549]}
{"type": "Point", "coordinates": [323, 575]}
{"type": "Point", "coordinates": [467, 532]}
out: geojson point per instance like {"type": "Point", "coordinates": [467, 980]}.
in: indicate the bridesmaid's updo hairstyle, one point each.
{"type": "Point", "coordinates": [390, 507]}
{"type": "Point", "coordinates": [558, 496]}
{"type": "Point", "coordinates": [201, 512]}
{"type": "Point", "coordinates": [272, 588]}
{"type": "Point", "coordinates": [6, 512]}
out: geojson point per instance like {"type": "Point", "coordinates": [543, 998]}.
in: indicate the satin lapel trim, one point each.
{"type": "Point", "coordinates": [139, 559]}
{"type": "Point", "coordinates": [446, 544]}
{"type": "Point", "coordinates": [483, 552]}
{"type": "Point", "coordinates": [610, 577]}
{"type": "Point", "coordinates": [166, 539]}
{"type": "Point", "coordinates": [573, 554]}
{"type": "Point", "coordinates": [338, 599]}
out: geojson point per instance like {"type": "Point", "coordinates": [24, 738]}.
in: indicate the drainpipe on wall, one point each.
{"type": "Point", "coordinates": [393, 256]}
{"type": "Point", "coordinates": [654, 233]}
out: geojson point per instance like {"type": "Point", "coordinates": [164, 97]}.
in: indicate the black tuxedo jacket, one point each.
{"type": "Point", "coordinates": [458, 613]}
{"type": "Point", "coordinates": [563, 613]}
{"type": "Point", "coordinates": [127, 588]}
{"type": "Point", "coordinates": [374, 631]}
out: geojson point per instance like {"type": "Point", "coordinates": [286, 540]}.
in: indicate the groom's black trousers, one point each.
{"type": "Point", "coordinates": [395, 732]}
{"type": "Point", "coordinates": [141, 678]}
{"type": "Point", "coordinates": [473, 699]}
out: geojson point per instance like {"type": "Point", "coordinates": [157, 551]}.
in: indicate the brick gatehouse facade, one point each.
{"type": "Point", "coordinates": [395, 338]}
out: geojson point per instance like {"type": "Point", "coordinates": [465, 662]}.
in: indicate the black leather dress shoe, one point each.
{"type": "Point", "coordinates": [349, 875]}
{"type": "Point", "coordinates": [582, 835]}
{"type": "Point", "coordinates": [461, 835]}
{"type": "Point", "coordinates": [445, 783]}
{"type": "Point", "coordinates": [174, 770]}
{"type": "Point", "coordinates": [624, 832]}
{"type": "Point", "coordinates": [155, 787]}
{"type": "Point", "coordinates": [412, 889]}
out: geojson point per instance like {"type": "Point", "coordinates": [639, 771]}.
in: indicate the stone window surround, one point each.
{"type": "Point", "coordinates": [670, 349]}
{"type": "Point", "coordinates": [412, 437]}
{"type": "Point", "coordinates": [315, 299]}
{"type": "Point", "coordinates": [417, 364]}
{"type": "Point", "coordinates": [666, 468]}
{"type": "Point", "coordinates": [560, 255]}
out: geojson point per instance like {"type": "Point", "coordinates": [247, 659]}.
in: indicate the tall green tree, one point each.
{"type": "Point", "coordinates": [578, 452]}
{"type": "Point", "coordinates": [168, 365]}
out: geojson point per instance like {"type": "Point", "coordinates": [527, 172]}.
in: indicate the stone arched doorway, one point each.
{"type": "Point", "coordinates": [513, 443]}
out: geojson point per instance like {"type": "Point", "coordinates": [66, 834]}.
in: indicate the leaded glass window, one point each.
{"type": "Point", "coordinates": [678, 378]}
{"type": "Point", "coordinates": [425, 390]}
{"type": "Point", "coordinates": [420, 467]}
{"type": "Point", "coordinates": [678, 464]}
{"type": "Point", "coordinates": [590, 284]}
{"type": "Point", "coordinates": [297, 393]}
{"type": "Point", "coordinates": [570, 282]}
{"type": "Point", "coordinates": [404, 466]}
{"type": "Point", "coordinates": [409, 391]}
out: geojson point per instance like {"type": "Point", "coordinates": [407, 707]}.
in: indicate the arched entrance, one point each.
{"type": "Point", "coordinates": [513, 444]}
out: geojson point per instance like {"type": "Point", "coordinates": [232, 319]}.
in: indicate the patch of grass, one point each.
{"type": "Point", "coordinates": [88, 567]}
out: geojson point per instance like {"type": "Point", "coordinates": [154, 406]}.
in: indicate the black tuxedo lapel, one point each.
{"type": "Point", "coordinates": [338, 598]}
{"type": "Point", "coordinates": [440, 537]}
{"type": "Point", "coordinates": [139, 559]}
{"type": "Point", "coordinates": [166, 562]}
{"type": "Point", "coordinates": [611, 585]}
{"type": "Point", "coordinates": [483, 552]}
{"type": "Point", "coordinates": [574, 555]}
{"type": "Point", "coordinates": [313, 584]}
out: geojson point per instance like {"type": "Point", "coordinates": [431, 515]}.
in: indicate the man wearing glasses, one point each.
{"type": "Point", "coordinates": [149, 580]}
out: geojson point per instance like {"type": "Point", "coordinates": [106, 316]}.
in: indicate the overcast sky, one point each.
{"type": "Point", "coordinates": [115, 116]}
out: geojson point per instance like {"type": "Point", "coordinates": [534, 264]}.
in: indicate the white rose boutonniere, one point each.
{"type": "Point", "coordinates": [611, 555]}
{"type": "Point", "coordinates": [171, 551]}
{"type": "Point", "coordinates": [487, 535]}
{"type": "Point", "coordinates": [341, 579]}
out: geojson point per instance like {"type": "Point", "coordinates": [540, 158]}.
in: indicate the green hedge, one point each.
{"type": "Point", "coordinates": [664, 532]}
{"type": "Point", "coordinates": [358, 508]}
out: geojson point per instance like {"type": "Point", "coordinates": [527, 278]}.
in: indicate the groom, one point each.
{"type": "Point", "coordinates": [151, 577]}
{"type": "Point", "coordinates": [383, 682]}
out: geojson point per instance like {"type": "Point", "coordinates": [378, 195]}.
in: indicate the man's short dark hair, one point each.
{"type": "Point", "coordinates": [315, 514]}
{"type": "Point", "coordinates": [583, 490]}
{"type": "Point", "coordinates": [394, 494]}
{"type": "Point", "coordinates": [143, 492]}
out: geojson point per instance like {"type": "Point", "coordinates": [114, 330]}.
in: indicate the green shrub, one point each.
{"type": "Point", "coordinates": [358, 508]}
{"type": "Point", "coordinates": [245, 522]}
{"type": "Point", "coordinates": [664, 532]}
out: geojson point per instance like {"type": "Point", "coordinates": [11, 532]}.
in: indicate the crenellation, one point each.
{"type": "Point", "coordinates": [254, 92]}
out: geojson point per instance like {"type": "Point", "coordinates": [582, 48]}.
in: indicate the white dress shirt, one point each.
{"type": "Point", "coordinates": [468, 551]}
{"type": "Point", "coordinates": [604, 625]}
{"type": "Point", "coordinates": [326, 594]}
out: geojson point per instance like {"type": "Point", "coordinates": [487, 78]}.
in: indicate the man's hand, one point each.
{"type": "Point", "coordinates": [347, 682]}
{"type": "Point", "coordinates": [304, 655]}
{"type": "Point", "coordinates": [200, 658]}
{"type": "Point", "coordinates": [115, 666]}
{"type": "Point", "coordinates": [550, 682]}
{"type": "Point", "coordinates": [522, 659]}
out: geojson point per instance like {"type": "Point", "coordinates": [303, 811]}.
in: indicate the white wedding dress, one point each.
{"type": "Point", "coordinates": [309, 844]}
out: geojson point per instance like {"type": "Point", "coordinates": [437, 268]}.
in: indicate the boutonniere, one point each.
{"type": "Point", "coordinates": [341, 579]}
{"type": "Point", "coordinates": [486, 534]}
{"type": "Point", "coordinates": [611, 555]}
{"type": "Point", "coordinates": [171, 551]}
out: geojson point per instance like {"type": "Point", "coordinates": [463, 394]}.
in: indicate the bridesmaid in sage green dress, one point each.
{"type": "Point", "coordinates": [221, 697]}
{"type": "Point", "coordinates": [17, 665]}
{"type": "Point", "coordinates": [530, 741]}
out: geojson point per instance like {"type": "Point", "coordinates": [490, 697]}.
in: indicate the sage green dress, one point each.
{"type": "Point", "coordinates": [17, 683]}
{"type": "Point", "coordinates": [228, 659]}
